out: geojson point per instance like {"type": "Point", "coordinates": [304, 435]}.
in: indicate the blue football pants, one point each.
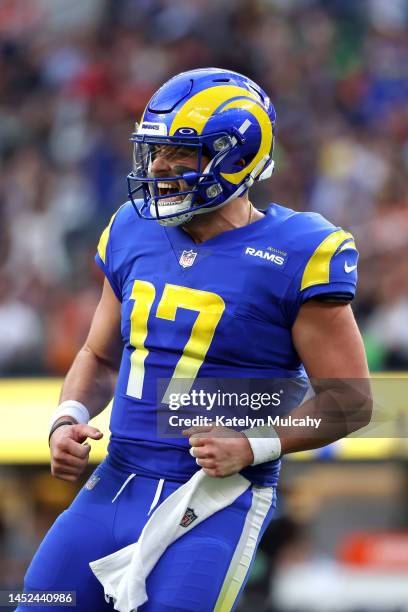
{"type": "Point", "coordinates": [204, 570]}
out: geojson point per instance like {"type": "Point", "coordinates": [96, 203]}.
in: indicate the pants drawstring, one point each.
{"type": "Point", "coordinates": [128, 479]}
{"type": "Point", "coordinates": [156, 496]}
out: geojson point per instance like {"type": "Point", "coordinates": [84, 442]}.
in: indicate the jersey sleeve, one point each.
{"type": "Point", "coordinates": [328, 272]}
{"type": "Point", "coordinates": [105, 256]}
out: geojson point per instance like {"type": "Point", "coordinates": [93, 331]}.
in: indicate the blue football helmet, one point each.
{"type": "Point", "coordinates": [217, 120]}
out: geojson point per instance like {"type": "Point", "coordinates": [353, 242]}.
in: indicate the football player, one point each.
{"type": "Point", "coordinates": [199, 284]}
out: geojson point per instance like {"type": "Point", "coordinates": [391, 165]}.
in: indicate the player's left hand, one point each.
{"type": "Point", "coordinates": [220, 451]}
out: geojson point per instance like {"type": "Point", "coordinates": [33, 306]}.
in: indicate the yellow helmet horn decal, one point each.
{"type": "Point", "coordinates": [266, 140]}
{"type": "Point", "coordinates": [197, 110]}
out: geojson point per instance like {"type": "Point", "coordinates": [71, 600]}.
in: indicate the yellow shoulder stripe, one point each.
{"type": "Point", "coordinates": [317, 270]}
{"type": "Point", "coordinates": [103, 241]}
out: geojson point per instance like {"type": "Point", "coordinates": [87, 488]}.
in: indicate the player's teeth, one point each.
{"type": "Point", "coordinates": [166, 185]}
{"type": "Point", "coordinates": [166, 188]}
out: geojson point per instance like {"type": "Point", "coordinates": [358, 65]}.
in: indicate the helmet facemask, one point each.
{"type": "Point", "coordinates": [168, 194]}
{"type": "Point", "coordinates": [175, 199]}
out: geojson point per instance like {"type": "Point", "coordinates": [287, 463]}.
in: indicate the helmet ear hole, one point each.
{"type": "Point", "coordinates": [238, 164]}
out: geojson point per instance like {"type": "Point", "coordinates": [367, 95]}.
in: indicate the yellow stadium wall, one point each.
{"type": "Point", "coordinates": [26, 406]}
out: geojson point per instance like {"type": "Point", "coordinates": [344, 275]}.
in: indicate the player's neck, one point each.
{"type": "Point", "coordinates": [237, 213]}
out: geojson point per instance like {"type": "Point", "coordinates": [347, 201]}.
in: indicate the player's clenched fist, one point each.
{"type": "Point", "coordinates": [220, 451]}
{"type": "Point", "coordinates": [69, 456]}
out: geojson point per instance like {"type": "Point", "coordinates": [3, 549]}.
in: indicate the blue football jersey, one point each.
{"type": "Point", "coordinates": [221, 309]}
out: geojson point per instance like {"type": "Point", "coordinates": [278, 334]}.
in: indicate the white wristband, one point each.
{"type": "Point", "coordinates": [265, 444]}
{"type": "Point", "coordinates": [71, 408]}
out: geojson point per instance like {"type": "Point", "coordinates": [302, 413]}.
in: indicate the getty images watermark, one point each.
{"type": "Point", "coordinates": [233, 409]}
{"type": "Point", "coordinates": [326, 408]}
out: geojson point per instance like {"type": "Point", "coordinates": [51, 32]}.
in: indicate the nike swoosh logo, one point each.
{"type": "Point", "coordinates": [349, 268]}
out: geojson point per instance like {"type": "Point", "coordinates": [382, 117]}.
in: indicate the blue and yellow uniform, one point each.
{"type": "Point", "coordinates": [224, 308]}
{"type": "Point", "coordinates": [227, 315]}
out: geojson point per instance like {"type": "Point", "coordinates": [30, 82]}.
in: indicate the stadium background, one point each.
{"type": "Point", "coordinates": [74, 77]}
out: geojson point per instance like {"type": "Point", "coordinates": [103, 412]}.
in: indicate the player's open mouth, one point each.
{"type": "Point", "coordinates": [167, 189]}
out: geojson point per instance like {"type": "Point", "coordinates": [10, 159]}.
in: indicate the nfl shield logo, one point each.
{"type": "Point", "coordinates": [187, 258]}
{"type": "Point", "coordinates": [92, 482]}
{"type": "Point", "coordinates": [188, 518]}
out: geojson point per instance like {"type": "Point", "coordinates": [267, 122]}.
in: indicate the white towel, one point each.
{"type": "Point", "coordinates": [123, 574]}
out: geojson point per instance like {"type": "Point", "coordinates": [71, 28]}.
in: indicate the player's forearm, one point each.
{"type": "Point", "coordinates": [90, 381]}
{"type": "Point", "coordinates": [336, 411]}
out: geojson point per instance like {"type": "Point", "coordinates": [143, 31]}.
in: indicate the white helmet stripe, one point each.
{"type": "Point", "coordinates": [244, 126]}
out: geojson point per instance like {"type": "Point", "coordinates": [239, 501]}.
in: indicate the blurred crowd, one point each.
{"type": "Point", "coordinates": [74, 78]}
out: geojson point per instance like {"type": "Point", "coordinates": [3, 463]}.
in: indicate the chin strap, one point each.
{"type": "Point", "coordinates": [266, 172]}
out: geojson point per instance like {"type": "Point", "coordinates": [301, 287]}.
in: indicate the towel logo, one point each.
{"type": "Point", "coordinates": [188, 518]}
{"type": "Point", "coordinates": [92, 482]}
